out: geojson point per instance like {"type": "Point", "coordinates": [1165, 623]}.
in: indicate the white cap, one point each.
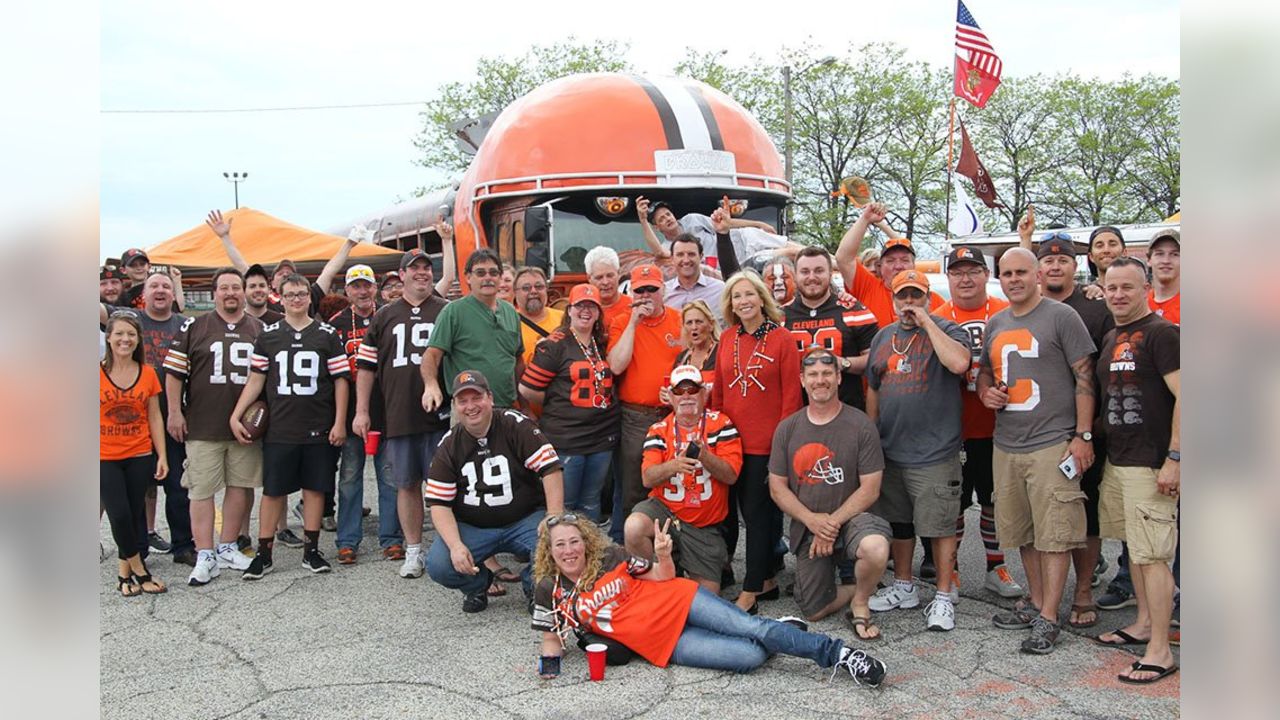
{"type": "Point", "coordinates": [686, 373]}
{"type": "Point", "coordinates": [361, 272]}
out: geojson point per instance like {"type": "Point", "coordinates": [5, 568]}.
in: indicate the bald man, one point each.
{"type": "Point", "coordinates": [1036, 372]}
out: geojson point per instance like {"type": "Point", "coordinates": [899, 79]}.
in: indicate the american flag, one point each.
{"type": "Point", "coordinates": [972, 44]}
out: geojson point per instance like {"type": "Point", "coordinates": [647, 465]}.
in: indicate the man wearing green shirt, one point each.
{"type": "Point", "coordinates": [476, 332]}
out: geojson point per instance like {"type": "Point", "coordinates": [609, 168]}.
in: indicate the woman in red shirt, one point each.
{"type": "Point", "coordinates": [757, 384]}
{"type": "Point", "coordinates": [131, 448]}
{"type": "Point", "coordinates": [586, 584]}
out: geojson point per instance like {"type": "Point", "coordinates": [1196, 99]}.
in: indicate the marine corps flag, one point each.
{"type": "Point", "coordinates": [978, 67]}
{"type": "Point", "coordinates": [971, 167]}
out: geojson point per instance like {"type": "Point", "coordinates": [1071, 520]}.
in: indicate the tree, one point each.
{"type": "Point", "coordinates": [499, 82]}
{"type": "Point", "coordinates": [1154, 181]}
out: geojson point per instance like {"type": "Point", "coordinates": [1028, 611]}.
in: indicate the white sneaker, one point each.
{"type": "Point", "coordinates": [940, 616]}
{"type": "Point", "coordinates": [1000, 582]}
{"type": "Point", "coordinates": [205, 570]}
{"type": "Point", "coordinates": [233, 558]}
{"type": "Point", "coordinates": [893, 597]}
{"type": "Point", "coordinates": [414, 564]}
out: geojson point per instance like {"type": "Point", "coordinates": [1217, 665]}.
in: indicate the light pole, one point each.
{"type": "Point", "coordinates": [236, 178]}
{"type": "Point", "coordinates": [787, 118]}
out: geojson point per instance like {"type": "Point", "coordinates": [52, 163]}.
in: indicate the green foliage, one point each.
{"type": "Point", "coordinates": [1083, 151]}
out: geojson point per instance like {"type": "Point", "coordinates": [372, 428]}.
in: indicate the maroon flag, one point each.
{"type": "Point", "coordinates": [978, 68]}
{"type": "Point", "coordinates": [971, 167]}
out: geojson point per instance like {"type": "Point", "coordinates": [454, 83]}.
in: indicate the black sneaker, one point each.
{"type": "Point", "coordinates": [864, 669]}
{"type": "Point", "coordinates": [477, 601]}
{"type": "Point", "coordinates": [185, 557]}
{"type": "Point", "coordinates": [259, 567]}
{"type": "Point", "coordinates": [1044, 635]}
{"type": "Point", "coordinates": [314, 561]}
{"type": "Point", "coordinates": [289, 538]}
{"type": "Point", "coordinates": [158, 544]}
{"type": "Point", "coordinates": [244, 543]}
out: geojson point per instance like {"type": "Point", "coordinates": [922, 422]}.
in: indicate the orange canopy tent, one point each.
{"type": "Point", "coordinates": [263, 239]}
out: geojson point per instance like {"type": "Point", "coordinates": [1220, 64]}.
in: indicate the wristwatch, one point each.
{"type": "Point", "coordinates": [845, 363]}
{"type": "Point", "coordinates": [1086, 436]}
{"type": "Point", "coordinates": [1175, 456]}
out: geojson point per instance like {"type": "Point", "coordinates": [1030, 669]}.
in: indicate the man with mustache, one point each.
{"type": "Point", "coordinates": [897, 256]}
{"type": "Point", "coordinates": [537, 320]}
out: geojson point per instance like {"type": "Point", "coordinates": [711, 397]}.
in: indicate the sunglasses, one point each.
{"type": "Point", "coordinates": [555, 520]}
{"type": "Point", "coordinates": [814, 359]}
{"type": "Point", "coordinates": [483, 272]}
{"type": "Point", "coordinates": [683, 389]}
{"type": "Point", "coordinates": [1055, 236]}
{"type": "Point", "coordinates": [122, 313]}
{"type": "Point", "coordinates": [643, 290]}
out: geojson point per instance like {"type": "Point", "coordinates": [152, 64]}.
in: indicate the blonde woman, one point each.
{"type": "Point", "coordinates": [757, 383]}
{"type": "Point", "coordinates": [699, 333]}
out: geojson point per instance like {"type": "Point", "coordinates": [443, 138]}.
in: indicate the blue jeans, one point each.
{"type": "Point", "coordinates": [351, 498]}
{"type": "Point", "coordinates": [583, 480]}
{"type": "Point", "coordinates": [720, 636]}
{"type": "Point", "coordinates": [518, 538]}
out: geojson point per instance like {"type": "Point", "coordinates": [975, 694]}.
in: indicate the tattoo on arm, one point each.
{"type": "Point", "coordinates": [1084, 376]}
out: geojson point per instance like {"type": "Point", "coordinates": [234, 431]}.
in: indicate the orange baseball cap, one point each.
{"type": "Point", "coordinates": [912, 279]}
{"type": "Point", "coordinates": [892, 243]}
{"type": "Point", "coordinates": [646, 275]}
{"type": "Point", "coordinates": [584, 292]}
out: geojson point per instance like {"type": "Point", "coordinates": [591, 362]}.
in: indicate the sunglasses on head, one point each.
{"type": "Point", "coordinates": [568, 517]}
{"type": "Point", "coordinates": [814, 359]}
{"type": "Point", "coordinates": [124, 313]}
{"type": "Point", "coordinates": [1055, 236]}
{"type": "Point", "coordinates": [683, 389]}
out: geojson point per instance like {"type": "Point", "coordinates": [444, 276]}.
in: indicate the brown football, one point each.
{"type": "Point", "coordinates": [254, 419]}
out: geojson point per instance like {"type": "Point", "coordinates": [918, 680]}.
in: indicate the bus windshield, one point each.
{"type": "Point", "coordinates": [575, 233]}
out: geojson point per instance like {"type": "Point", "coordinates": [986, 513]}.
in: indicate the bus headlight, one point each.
{"type": "Point", "coordinates": [612, 206]}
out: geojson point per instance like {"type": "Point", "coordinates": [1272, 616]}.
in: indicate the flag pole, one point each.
{"type": "Point", "coordinates": [951, 129]}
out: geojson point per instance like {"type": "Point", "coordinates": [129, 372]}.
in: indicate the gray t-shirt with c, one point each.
{"type": "Point", "coordinates": [1032, 355]}
{"type": "Point", "coordinates": [920, 405]}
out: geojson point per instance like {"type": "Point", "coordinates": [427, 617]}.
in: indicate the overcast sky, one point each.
{"type": "Point", "coordinates": [161, 173]}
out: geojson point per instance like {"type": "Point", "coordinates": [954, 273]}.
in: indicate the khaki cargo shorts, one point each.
{"type": "Point", "coordinates": [216, 464]}
{"type": "Point", "coordinates": [927, 496]}
{"type": "Point", "coordinates": [1035, 503]}
{"type": "Point", "coordinates": [1132, 509]}
{"type": "Point", "coordinates": [699, 551]}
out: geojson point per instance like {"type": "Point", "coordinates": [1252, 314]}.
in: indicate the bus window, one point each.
{"type": "Point", "coordinates": [503, 245]}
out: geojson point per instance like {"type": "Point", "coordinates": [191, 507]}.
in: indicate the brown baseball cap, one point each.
{"type": "Point", "coordinates": [470, 380]}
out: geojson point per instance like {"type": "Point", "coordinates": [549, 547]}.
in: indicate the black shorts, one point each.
{"type": "Point", "coordinates": [976, 473]}
{"type": "Point", "coordinates": [288, 468]}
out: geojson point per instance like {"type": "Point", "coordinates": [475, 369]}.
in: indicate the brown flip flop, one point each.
{"type": "Point", "coordinates": [1080, 609]}
{"type": "Point", "coordinates": [862, 624]}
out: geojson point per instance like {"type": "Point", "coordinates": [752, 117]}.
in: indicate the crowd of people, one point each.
{"type": "Point", "coordinates": [617, 447]}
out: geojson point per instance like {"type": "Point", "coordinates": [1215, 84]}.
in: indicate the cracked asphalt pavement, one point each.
{"type": "Point", "coordinates": [361, 642]}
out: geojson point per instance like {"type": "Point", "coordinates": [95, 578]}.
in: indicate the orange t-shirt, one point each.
{"type": "Point", "coordinates": [1170, 309]}
{"type": "Point", "coordinates": [621, 307]}
{"type": "Point", "coordinates": [872, 292]}
{"type": "Point", "coordinates": [699, 500]}
{"type": "Point", "coordinates": [976, 421]}
{"type": "Point", "coordinates": [657, 343]}
{"type": "Point", "coordinates": [123, 430]}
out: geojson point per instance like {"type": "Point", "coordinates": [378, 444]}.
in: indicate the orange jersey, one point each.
{"type": "Point", "coordinates": [976, 420]}
{"type": "Point", "coordinates": [1170, 309]}
{"type": "Point", "coordinates": [622, 306]}
{"type": "Point", "coordinates": [657, 343]}
{"type": "Point", "coordinates": [699, 500]}
{"type": "Point", "coordinates": [530, 337]}
{"type": "Point", "coordinates": [123, 427]}
{"type": "Point", "coordinates": [872, 292]}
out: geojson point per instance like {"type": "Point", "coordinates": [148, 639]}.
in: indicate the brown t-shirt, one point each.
{"type": "Point", "coordinates": [822, 463]}
{"type": "Point", "coordinates": [1137, 406]}
{"type": "Point", "coordinates": [213, 357]}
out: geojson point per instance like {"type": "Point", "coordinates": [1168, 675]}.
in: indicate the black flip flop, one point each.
{"type": "Point", "coordinates": [866, 624]}
{"type": "Point", "coordinates": [1162, 673]}
{"type": "Point", "coordinates": [506, 574]}
{"type": "Point", "coordinates": [1125, 639]}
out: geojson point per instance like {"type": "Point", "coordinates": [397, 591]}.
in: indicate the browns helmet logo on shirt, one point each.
{"type": "Point", "coordinates": [812, 465]}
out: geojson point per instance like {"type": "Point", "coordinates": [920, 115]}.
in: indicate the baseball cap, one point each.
{"type": "Point", "coordinates": [110, 272]}
{"type": "Point", "coordinates": [654, 208]}
{"type": "Point", "coordinates": [646, 276]}
{"type": "Point", "coordinates": [584, 292]}
{"type": "Point", "coordinates": [686, 373]}
{"type": "Point", "coordinates": [964, 255]}
{"type": "Point", "coordinates": [361, 272]}
{"type": "Point", "coordinates": [1166, 234]}
{"type": "Point", "coordinates": [470, 380]}
{"type": "Point", "coordinates": [256, 270]}
{"type": "Point", "coordinates": [911, 279]}
{"type": "Point", "coordinates": [893, 243]}
{"type": "Point", "coordinates": [284, 263]}
{"type": "Point", "coordinates": [1056, 247]}
{"type": "Point", "coordinates": [408, 258]}
{"type": "Point", "coordinates": [390, 276]}
{"type": "Point", "coordinates": [132, 254]}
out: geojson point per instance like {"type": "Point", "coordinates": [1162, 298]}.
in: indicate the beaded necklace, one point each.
{"type": "Point", "coordinates": [599, 371]}
{"type": "Point", "coordinates": [754, 365]}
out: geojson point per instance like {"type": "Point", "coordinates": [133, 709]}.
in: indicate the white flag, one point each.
{"type": "Point", "coordinates": [964, 220]}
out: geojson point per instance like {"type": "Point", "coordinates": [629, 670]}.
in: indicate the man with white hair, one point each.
{"type": "Point", "coordinates": [602, 267]}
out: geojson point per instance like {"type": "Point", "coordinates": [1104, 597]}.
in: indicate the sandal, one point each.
{"type": "Point", "coordinates": [1139, 666]}
{"type": "Point", "coordinates": [862, 624]}
{"type": "Point", "coordinates": [125, 584]}
{"type": "Point", "coordinates": [496, 589]}
{"type": "Point", "coordinates": [1125, 639]}
{"type": "Point", "coordinates": [505, 574]}
{"type": "Point", "coordinates": [1077, 610]}
{"type": "Point", "coordinates": [144, 580]}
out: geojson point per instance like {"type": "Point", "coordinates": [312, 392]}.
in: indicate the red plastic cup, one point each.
{"type": "Point", "coordinates": [371, 440]}
{"type": "Point", "coordinates": [595, 661]}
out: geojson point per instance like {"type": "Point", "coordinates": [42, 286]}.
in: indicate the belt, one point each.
{"type": "Point", "coordinates": [653, 410]}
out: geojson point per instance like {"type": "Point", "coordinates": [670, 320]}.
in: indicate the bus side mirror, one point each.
{"type": "Point", "coordinates": [537, 235]}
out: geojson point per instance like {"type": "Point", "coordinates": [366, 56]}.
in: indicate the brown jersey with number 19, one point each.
{"type": "Point", "coordinates": [301, 367]}
{"type": "Point", "coordinates": [213, 357]}
{"type": "Point", "coordinates": [393, 347]}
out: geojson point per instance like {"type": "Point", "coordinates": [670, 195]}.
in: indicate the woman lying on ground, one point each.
{"type": "Point", "coordinates": [584, 582]}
